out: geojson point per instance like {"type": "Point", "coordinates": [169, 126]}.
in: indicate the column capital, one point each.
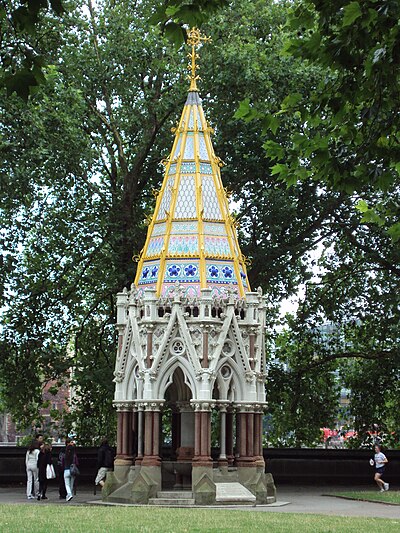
{"type": "Point", "coordinates": [250, 407]}
{"type": "Point", "coordinates": [261, 377]}
{"type": "Point", "coordinates": [152, 405]}
{"type": "Point", "coordinates": [202, 405]}
{"type": "Point", "coordinates": [183, 406]}
{"type": "Point", "coordinates": [223, 405]}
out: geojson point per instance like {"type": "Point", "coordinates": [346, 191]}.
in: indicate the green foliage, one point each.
{"type": "Point", "coordinates": [338, 132]}
{"type": "Point", "coordinates": [22, 25]}
{"type": "Point", "coordinates": [349, 123]}
{"type": "Point", "coordinates": [26, 441]}
{"type": "Point", "coordinates": [172, 15]}
{"type": "Point", "coordinates": [303, 399]}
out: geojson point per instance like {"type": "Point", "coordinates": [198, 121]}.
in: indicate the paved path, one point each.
{"type": "Point", "coordinates": [298, 499]}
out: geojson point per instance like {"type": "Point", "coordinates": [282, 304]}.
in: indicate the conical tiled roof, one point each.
{"type": "Point", "coordinates": [192, 237]}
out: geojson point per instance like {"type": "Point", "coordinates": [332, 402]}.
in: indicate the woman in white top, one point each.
{"type": "Point", "coordinates": [32, 472]}
{"type": "Point", "coordinates": [380, 461]}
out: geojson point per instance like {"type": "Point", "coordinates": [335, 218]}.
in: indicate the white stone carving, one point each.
{"type": "Point", "coordinates": [176, 341]}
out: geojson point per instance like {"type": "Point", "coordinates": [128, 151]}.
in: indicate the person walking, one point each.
{"type": "Point", "coordinates": [60, 470]}
{"type": "Point", "coordinates": [31, 463]}
{"type": "Point", "coordinates": [44, 459]}
{"type": "Point", "coordinates": [105, 462]}
{"type": "Point", "coordinates": [69, 460]}
{"type": "Point", "coordinates": [380, 461]}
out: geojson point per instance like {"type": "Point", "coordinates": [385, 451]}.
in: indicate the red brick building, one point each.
{"type": "Point", "coordinates": [56, 402]}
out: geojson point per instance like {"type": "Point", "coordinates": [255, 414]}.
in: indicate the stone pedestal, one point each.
{"type": "Point", "coordinates": [146, 484]}
{"type": "Point", "coordinates": [203, 486]}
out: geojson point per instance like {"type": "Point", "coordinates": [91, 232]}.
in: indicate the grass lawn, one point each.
{"type": "Point", "coordinates": [87, 519]}
{"type": "Point", "coordinates": [372, 496]}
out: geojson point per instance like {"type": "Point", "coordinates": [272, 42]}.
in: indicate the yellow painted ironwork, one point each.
{"type": "Point", "coordinates": [174, 196]}
{"type": "Point", "coordinates": [194, 39]}
{"type": "Point", "coordinates": [192, 120]}
{"type": "Point", "coordinates": [224, 208]}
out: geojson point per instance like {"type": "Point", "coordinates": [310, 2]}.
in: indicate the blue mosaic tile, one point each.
{"type": "Point", "coordinates": [188, 167]}
{"type": "Point", "coordinates": [205, 168]}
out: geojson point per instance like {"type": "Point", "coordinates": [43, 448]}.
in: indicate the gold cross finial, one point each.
{"type": "Point", "coordinates": [194, 39]}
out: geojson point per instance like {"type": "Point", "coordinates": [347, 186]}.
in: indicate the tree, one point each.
{"type": "Point", "coordinates": [349, 134]}
{"type": "Point", "coordinates": [79, 163]}
{"type": "Point", "coordinates": [341, 136]}
{"type": "Point", "coordinates": [79, 178]}
{"type": "Point", "coordinates": [20, 35]}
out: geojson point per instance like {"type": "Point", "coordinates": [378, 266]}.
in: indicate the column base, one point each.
{"type": "Point", "coordinates": [123, 460]}
{"type": "Point", "coordinates": [260, 463]}
{"type": "Point", "coordinates": [151, 460]}
{"type": "Point", "coordinates": [223, 462]}
{"type": "Point", "coordinates": [202, 461]}
{"type": "Point", "coordinates": [141, 484]}
{"type": "Point", "coordinates": [246, 462]}
{"type": "Point", "coordinates": [185, 453]}
{"type": "Point", "coordinates": [203, 486]}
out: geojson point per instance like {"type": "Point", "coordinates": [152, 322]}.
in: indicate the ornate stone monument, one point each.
{"type": "Point", "coordinates": [191, 337]}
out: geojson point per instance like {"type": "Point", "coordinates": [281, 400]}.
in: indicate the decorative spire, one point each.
{"type": "Point", "coordinates": [192, 239]}
{"type": "Point", "coordinates": [194, 39]}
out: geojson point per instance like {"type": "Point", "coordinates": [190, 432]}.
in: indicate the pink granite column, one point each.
{"type": "Point", "coordinates": [151, 455]}
{"type": "Point", "coordinates": [120, 424]}
{"type": "Point", "coordinates": [202, 440]}
{"type": "Point", "coordinates": [140, 416]}
{"type": "Point", "coordinates": [123, 427]}
{"type": "Point", "coordinates": [229, 437]}
{"type": "Point", "coordinates": [258, 449]}
{"type": "Point", "coordinates": [246, 444]}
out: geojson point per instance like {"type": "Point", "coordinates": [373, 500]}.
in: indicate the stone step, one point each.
{"type": "Point", "coordinates": [233, 493]}
{"type": "Point", "coordinates": [178, 502]}
{"type": "Point", "coordinates": [175, 494]}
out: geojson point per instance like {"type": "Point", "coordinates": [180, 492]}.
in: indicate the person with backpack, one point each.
{"type": "Point", "coordinates": [105, 462]}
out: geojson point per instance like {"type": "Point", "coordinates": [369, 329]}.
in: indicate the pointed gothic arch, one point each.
{"type": "Point", "coordinates": [178, 389]}
{"type": "Point", "coordinates": [130, 383]}
{"type": "Point", "coordinates": [233, 382]}
{"type": "Point", "coordinates": [168, 376]}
